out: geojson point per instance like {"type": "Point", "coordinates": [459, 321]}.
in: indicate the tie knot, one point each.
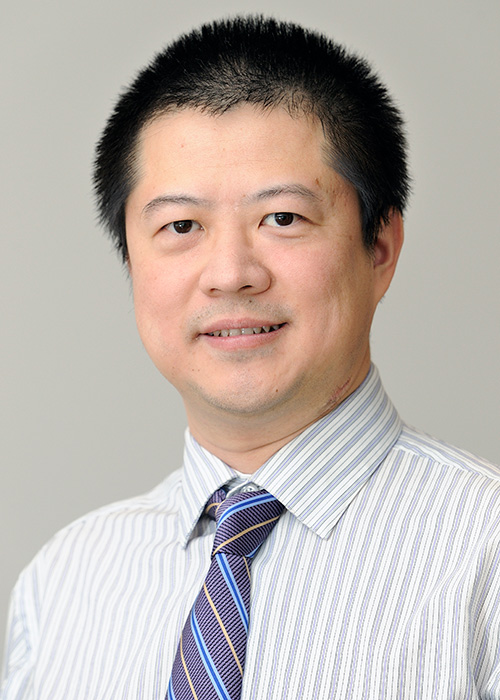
{"type": "Point", "coordinates": [243, 521]}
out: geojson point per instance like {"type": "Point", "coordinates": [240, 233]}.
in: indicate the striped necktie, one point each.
{"type": "Point", "coordinates": [211, 654]}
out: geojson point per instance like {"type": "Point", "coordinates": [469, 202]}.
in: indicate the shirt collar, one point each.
{"type": "Point", "coordinates": [318, 473]}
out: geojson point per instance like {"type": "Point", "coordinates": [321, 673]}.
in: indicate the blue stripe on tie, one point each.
{"type": "Point", "coordinates": [248, 503]}
{"type": "Point", "coordinates": [233, 587]}
{"type": "Point", "coordinates": [207, 660]}
{"type": "Point", "coordinates": [252, 554]}
{"type": "Point", "coordinates": [170, 693]}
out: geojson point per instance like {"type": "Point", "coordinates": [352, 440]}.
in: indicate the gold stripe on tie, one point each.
{"type": "Point", "coordinates": [247, 567]}
{"type": "Point", "coordinates": [212, 505]}
{"type": "Point", "coordinates": [219, 620]}
{"type": "Point", "coordinates": [187, 672]}
{"type": "Point", "coordinates": [235, 537]}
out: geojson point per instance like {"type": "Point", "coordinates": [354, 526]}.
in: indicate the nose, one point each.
{"type": "Point", "coordinates": [233, 266]}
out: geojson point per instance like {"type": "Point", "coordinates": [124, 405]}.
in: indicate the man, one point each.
{"type": "Point", "coordinates": [254, 180]}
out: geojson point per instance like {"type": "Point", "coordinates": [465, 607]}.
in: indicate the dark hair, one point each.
{"type": "Point", "coordinates": [264, 62]}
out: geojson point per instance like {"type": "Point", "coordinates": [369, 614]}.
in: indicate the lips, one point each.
{"type": "Point", "coordinates": [252, 330]}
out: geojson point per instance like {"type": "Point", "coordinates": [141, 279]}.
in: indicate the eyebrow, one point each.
{"type": "Point", "coordinates": [163, 199]}
{"type": "Point", "coordinates": [277, 190]}
{"type": "Point", "coordinates": [267, 193]}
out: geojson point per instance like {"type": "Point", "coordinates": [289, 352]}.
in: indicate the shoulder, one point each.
{"type": "Point", "coordinates": [97, 550]}
{"type": "Point", "coordinates": [450, 493]}
{"type": "Point", "coordinates": [110, 532]}
{"type": "Point", "coordinates": [428, 448]}
{"type": "Point", "coordinates": [465, 482]}
{"type": "Point", "coordinates": [462, 489]}
{"type": "Point", "coordinates": [162, 501]}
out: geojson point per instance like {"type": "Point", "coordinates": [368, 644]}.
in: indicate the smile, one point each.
{"type": "Point", "coordinates": [230, 332]}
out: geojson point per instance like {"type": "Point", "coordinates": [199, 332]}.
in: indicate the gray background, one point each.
{"type": "Point", "coordinates": [86, 419]}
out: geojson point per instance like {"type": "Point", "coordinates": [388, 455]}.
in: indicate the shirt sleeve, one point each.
{"type": "Point", "coordinates": [22, 638]}
{"type": "Point", "coordinates": [487, 624]}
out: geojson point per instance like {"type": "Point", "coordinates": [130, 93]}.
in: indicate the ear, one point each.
{"type": "Point", "coordinates": [386, 252]}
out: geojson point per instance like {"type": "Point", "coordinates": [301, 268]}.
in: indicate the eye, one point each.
{"type": "Point", "coordinates": [281, 218]}
{"type": "Point", "coordinates": [183, 226]}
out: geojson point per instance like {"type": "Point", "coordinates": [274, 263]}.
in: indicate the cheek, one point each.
{"type": "Point", "coordinates": [158, 294]}
{"type": "Point", "coordinates": [158, 324]}
{"type": "Point", "coordinates": [156, 304]}
{"type": "Point", "coordinates": [335, 289]}
{"type": "Point", "coordinates": [318, 278]}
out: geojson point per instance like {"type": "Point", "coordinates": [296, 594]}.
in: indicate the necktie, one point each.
{"type": "Point", "coordinates": [211, 654]}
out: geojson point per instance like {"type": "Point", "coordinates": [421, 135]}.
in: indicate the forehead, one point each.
{"type": "Point", "coordinates": [234, 121]}
{"type": "Point", "coordinates": [235, 167]}
{"type": "Point", "coordinates": [226, 159]}
{"type": "Point", "coordinates": [244, 139]}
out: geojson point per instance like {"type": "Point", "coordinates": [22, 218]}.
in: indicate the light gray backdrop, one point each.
{"type": "Point", "coordinates": [86, 419]}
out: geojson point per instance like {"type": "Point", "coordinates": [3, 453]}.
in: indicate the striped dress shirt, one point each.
{"type": "Point", "coordinates": [380, 581]}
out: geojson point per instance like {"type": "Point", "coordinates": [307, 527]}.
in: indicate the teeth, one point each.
{"type": "Point", "coordinates": [231, 332]}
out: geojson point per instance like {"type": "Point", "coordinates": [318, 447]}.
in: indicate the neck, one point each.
{"type": "Point", "coordinates": [246, 452]}
{"type": "Point", "coordinates": [246, 442]}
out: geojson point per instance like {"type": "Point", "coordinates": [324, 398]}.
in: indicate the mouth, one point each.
{"type": "Point", "coordinates": [251, 330]}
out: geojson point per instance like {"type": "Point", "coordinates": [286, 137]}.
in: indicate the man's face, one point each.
{"type": "Point", "coordinates": [253, 292]}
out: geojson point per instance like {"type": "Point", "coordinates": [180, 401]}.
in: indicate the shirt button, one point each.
{"type": "Point", "coordinates": [248, 488]}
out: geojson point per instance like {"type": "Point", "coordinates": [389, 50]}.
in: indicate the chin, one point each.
{"type": "Point", "coordinates": [247, 400]}
{"type": "Point", "coordinates": [238, 406]}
